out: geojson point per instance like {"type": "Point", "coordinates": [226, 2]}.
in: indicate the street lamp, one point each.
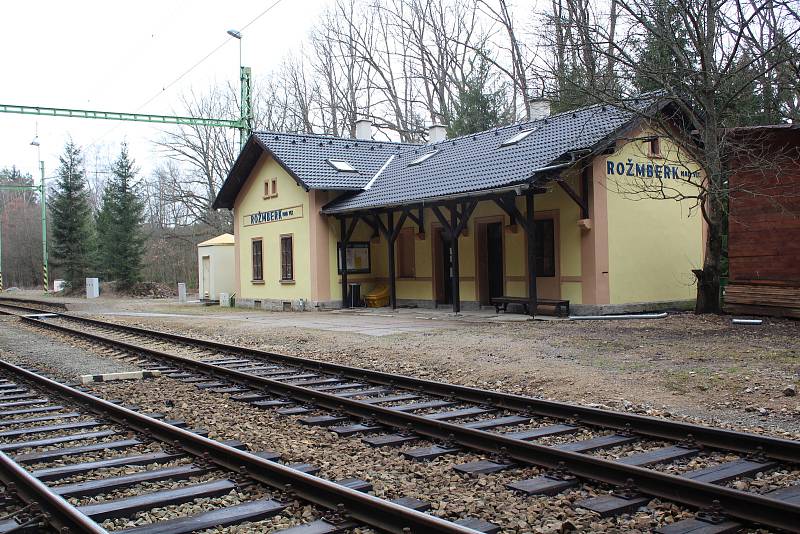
{"type": "Point", "coordinates": [238, 36]}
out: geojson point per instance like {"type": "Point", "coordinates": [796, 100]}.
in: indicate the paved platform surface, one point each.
{"type": "Point", "coordinates": [375, 322]}
{"type": "Point", "coordinates": [367, 323]}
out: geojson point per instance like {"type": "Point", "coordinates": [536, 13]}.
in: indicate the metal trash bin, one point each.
{"type": "Point", "coordinates": [354, 300]}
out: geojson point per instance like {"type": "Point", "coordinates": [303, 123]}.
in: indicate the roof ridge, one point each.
{"type": "Point", "coordinates": [519, 124]}
{"type": "Point", "coordinates": [332, 137]}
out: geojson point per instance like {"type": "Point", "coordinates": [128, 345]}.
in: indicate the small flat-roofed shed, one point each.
{"type": "Point", "coordinates": [216, 267]}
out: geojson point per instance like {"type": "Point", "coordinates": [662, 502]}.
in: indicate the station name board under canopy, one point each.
{"type": "Point", "coordinates": [282, 214]}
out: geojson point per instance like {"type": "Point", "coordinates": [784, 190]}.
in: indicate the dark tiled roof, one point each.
{"type": "Point", "coordinates": [307, 156]}
{"type": "Point", "coordinates": [478, 162]}
{"type": "Point", "coordinates": [383, 176]}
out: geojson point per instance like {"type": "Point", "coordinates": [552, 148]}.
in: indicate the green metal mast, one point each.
{"type": "Point", "coordinates": [246, 117]}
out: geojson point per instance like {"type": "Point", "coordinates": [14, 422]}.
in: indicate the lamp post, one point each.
{"type": "Point", "coordinates": [245, 104]}
{"type": "Point", "coordinates": [43, 203]}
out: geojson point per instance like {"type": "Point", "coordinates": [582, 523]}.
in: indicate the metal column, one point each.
{"type": "Point", "coordinates": [530, 224]}
{"type": "Point", "coordinates": [390, 247]}
{"type": "Point", "coordinates": [454, 232]}
{"type": "Point", "coordinates": [343, 260]}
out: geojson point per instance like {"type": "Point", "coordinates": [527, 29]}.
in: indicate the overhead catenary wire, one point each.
{"type": "Point", "coordinates": [193, 67]}
{"type": "Point", "coordinates": [208, 55]}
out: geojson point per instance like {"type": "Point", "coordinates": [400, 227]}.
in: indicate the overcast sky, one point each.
{"type": "Point", "coordinates": [115, 56]}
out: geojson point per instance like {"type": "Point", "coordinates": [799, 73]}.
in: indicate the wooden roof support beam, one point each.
{"type": "Point", "coordinates": [508, 204]}
{"type": "Point", "coordinates": [581, 202]}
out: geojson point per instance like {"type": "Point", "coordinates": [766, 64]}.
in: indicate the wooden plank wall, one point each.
{"type": "Point", "coordinates": [764, 234]}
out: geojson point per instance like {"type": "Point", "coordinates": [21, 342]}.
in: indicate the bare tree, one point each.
{"type": "Point", "coordinates": [21, 227]}
{"type": "Point", "coordinates": [206, 154]}
{"type": "Point", "coordinates": [708, 75]}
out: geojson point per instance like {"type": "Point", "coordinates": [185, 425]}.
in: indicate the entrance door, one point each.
{"type": "Point", "coordinates": [489, 250]}
{"type": "Point", "coordinates": [206, 290]}
{"type": "Point", "coordinates": [494, 253]}
{"type": "Point", "coordinates": [443, 267]}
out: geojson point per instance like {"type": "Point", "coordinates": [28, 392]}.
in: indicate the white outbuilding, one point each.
{"type": "Point", "coordinates": [216, 269]}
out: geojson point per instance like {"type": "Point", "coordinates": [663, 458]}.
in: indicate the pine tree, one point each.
{"type": "Point", "coordinates": [119, 224]}
{"type": "Point", "coordinates": [659, 67]}
{"type": "Point", "coordinates": [478, 108]}
{"type": "Point", "coordinates": [73, 237]}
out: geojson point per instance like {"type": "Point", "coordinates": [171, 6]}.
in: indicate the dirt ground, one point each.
{"type": "Point", "coordinates": [684, 366]}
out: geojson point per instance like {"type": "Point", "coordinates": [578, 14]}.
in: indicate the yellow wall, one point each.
{"type": "Point", "coordinates": [251, 200]}
{"type": "Point", "coordinates": [553, 203]}
{"type": "Point", "coordinates": [653, 243]}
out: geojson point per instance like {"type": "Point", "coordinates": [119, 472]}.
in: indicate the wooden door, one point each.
{"type": "Point", "coordinates": [205, 290]}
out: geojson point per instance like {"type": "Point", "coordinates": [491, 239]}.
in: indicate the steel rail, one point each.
{"type": "Point", "coordinates": [742, 442]}
{"type": "Point", "coordinates": [57, 511]}
{"type": "Point", "coordinates": [373, 511]}
{"type": "Point", "coordinates": [738, 504]}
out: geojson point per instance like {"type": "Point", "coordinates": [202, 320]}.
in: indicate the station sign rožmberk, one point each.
{"type": "Point", "coordinates": [282, 214]}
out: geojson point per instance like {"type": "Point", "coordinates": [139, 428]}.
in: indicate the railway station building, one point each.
{"type": "Point", "coordinates": [536, 213]}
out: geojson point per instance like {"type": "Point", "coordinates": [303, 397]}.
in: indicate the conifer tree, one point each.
{"type": "Point", "coordinates": [479, 107]}
{"type": "Point", "coordinates": [73, 238]}
{"type": "Point", "coordinates": [119, 224]}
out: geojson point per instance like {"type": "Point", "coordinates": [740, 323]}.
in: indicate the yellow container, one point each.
{"type": "Point", "coordinates": [378, 297]}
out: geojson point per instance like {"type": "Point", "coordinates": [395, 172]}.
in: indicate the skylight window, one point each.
{"type": "Point", "coordinates": [424, 158]}
{"type": "Point", "coordinates": [341, 165]}
{"type": "Point", "coordinates": [517, 138]}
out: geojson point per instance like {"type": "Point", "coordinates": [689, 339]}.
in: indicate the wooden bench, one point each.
{"type": "Point", "coordinates": [561, 306]}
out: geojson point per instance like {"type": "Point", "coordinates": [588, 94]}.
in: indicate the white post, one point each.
{"type": "Point", "coordinates": [181, 292]}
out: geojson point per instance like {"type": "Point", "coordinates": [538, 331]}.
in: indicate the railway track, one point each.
{"type": "Point", "coordinates": [61, 451]}
{"type": "Point", "coordinates": [393, 410]}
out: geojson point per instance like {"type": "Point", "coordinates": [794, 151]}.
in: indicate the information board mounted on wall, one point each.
{"type": "Point", "coordinates": [358, 257]}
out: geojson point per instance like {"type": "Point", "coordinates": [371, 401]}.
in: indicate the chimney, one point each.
{"type": "Point", "coordinates": [436, 133]}
{"type": "Point", "coordinates": [540, 108]}
{"type": "Point", "coordinates": [364, 129]}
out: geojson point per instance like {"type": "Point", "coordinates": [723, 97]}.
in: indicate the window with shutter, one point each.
{"type": "Point", "coordinates": [258, 260]}
{"type": "Point", "coordinates": [287, 259]}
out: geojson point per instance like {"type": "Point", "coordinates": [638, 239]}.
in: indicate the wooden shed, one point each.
{"type": "Point", "coordinates": [764, 224]}
{"type": "Point", "coordinates": [216, 267]}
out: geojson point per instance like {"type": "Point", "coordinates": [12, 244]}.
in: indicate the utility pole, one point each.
{"type": "Point", "coordinates": [43, 202]}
